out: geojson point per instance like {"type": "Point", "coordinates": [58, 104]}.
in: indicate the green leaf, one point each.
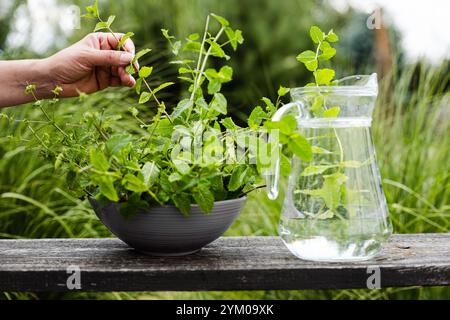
{"type": "Point", "coordinates": [145, 97]}
{"type": "Point", "coordinates": [217, 51]}
{"type": "Point", "coordinates": [312, 65]}
{"type": "Point", "coordinates": [134, 112]}
{"type": "Point", "coordinates": [319, 169]}
{"type": "Point", "coordinates": [327, 54]}
{"type": "Point", "coordinates": [192, 46]}
{"type": "Point", "coordinates": [130, 69]}
{"type": "Point", "coordinates": [300, 147]}
{"type": "Point", "coordinates": [219, 103]}
{"type": "Point", "coordinates": [285, 166]}
{"type": "Point", "coordinates": [204, 198]}
{"type": "Point", "coordinates": [332, 37]}
{"type": "Point", "coordinates": [176, 47]}
{"type": "Point", "coordinates": [270, 107]}
{"type": "Point", "coordinates": [150, 171]}
{"type": "Point", "coordinates": [317, 106]}
{"type": "Point", "coordinates": [332, 112]}
{"type": "Point", "coordinates": [145, 72]}
{"type": "Point", "coordinates": [224, 22]}
{"type": "Point", "coordinates": [166, 34]}
{"type": "Point", "coordinates": [351, 164]}
{"type": "Point", "coordinates": [140, 54]}
{"type": "Point", "coordinates": [106, 188]}
{"type": "Point", "coordinates": [324, 76]}
{"type": "Point", "coordinates": [93, 10]}
{"type": "Point", "coordinates": [133, 183]}
{"type": "Point", "coordinates": [181, 166]}
{"type": "Point", "coordinates": [183, 202]}
{"type": "Point", "coordinates": [162, 86]}
{"type": "Point", "coordinates": [194, 36]}
{"type": "Point", "coordinates": [124, 38]}
{"type": "Point", "coordinates": [235, 37]}
{"type": "Point", "coordinates": [288, 124]}
{"type": "Point", "coordinates": [138, 86]}
{"type": "Point", "coordinates": [282, 91]}
{"type": "Point", "coordinates": [100, 26]}
{"type": "Point", "coordinates": [225, 74]}
{"type": "Point", "coordinates": [175, 176]}
{"type": "Point", "coordinates": [229, 124]}
{"type": "Point", "coordinates": [110, 21]}
{"type": "Point", "coordinates": [117, 142]}
{"type": "Point", "coordinates": [308, 58]}
{"type": "Point", "coordinates": [214, 86]}
{"type": "Point", "coordinates": [330, 191]}
{"type": "Point", "coordinates": [319, 150]}
{"type": "Point", "coordinates": [257, 116]}
{"type": "Point", "coordinates": [182, 106]}
{"type": "Point", "coordinates": [98, 160]}
{"type": "Point", "coordinates": [316, 34]}
{"type": "Point", "coordinates": [237, 178]}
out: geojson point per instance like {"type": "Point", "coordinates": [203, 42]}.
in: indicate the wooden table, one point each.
{"type": "Point", "coordinates": [230, 263]}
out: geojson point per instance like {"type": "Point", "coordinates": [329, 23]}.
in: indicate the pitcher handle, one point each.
{"type": "Point", "coordinates": [272, 179]}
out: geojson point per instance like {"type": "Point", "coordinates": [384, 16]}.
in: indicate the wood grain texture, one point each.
{"type": "Point", "coordinates": [230, 263]}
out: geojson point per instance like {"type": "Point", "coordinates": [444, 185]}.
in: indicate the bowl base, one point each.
{"type": "Point", "coordinates": [169, 254]}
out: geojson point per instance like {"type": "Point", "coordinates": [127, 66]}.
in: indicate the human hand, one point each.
{"type": "Point", "coordinates": [92, 64]}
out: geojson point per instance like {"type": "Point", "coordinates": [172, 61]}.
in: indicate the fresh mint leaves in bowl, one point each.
{"type": "Point", "coordinates": [176, 177]}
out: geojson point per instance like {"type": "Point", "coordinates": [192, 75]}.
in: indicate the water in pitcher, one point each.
{"type": "Point", "coordinates": [334, 209]}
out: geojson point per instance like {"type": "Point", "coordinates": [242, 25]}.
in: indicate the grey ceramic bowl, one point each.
{"type": "Point", "coordinates": [164, 231]}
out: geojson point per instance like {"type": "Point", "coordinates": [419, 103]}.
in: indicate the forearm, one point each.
{"type": "Point", "coordinates": [15, 75]}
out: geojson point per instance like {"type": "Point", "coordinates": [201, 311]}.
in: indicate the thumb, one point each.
{"type": "Point", "coordinates": [109, 58]}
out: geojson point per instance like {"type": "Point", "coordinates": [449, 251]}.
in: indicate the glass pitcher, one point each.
{"type": "Point", "coordinates": [334, 207]}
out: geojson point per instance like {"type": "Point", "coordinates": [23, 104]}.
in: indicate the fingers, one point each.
{"type": "Point", "coordinates": [126, 78]}
{"type": "Point", "coordinates": [103, 58]}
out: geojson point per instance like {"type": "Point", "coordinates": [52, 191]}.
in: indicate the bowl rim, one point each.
{"type": "Point", "coordinates": [173, 206]}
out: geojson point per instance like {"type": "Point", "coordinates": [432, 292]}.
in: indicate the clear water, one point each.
{"type": "Point", "coordinates": [344, 225]}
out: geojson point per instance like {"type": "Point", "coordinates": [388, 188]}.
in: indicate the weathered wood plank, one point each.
{"type": "Point", "coordinates": [230, 263]}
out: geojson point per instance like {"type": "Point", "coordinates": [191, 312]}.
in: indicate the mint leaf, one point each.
{"type": "Point", "coordinates": [229, 124]}
{"type": "Point", "coordinates": [332, 112]}
{"type": "Point", "coordinates": [124, 38]}
{"type": "Point", "coordinates": [133, 183]}
{"type": "Point", "coordinates": [327, 54]}
{"type": "Point", "coordinates": [150, 171]}
{"type": "Point", "coordinates": [106, 188]}
{"type": "Point", "coordinates": [117, 142]}
{"type": "Point", "coordinates": [257, 116]}
{"type": "Point", "coordinates": [182, 106]}
{"type": "Point", "coordinates": [219, 103]}
{"type": "Point", "coordinates": [316, 34]}
{"type": "Point", "coordinates": [282, 91]}
{"type": "Point", "coordinates": [145, 72]}
{"type": "Point", "coordinates": [300, 147]}
{"type": "Point", "coordinates": [237, 178]}
{"type": "Point", "coordinates": [145, 97]}
{"type": "Point", "coordinates": [98, 160]}
{"type": "Point", "coordinates": [324, 76]}
{"type": "Point", "coordinates": [162, 86]}
{"type": "Point", "coordinates": [332, 37]}
{"type": "Point", "coordinates": [183, 202]}
{"type": "Point", "coordinates": [224, 22]}
{"type": "Point", "coordinates": [204, 198]}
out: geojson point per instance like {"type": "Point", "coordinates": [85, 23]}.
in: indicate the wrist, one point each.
{"type": "Point", "coordinates": [42, 77]}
